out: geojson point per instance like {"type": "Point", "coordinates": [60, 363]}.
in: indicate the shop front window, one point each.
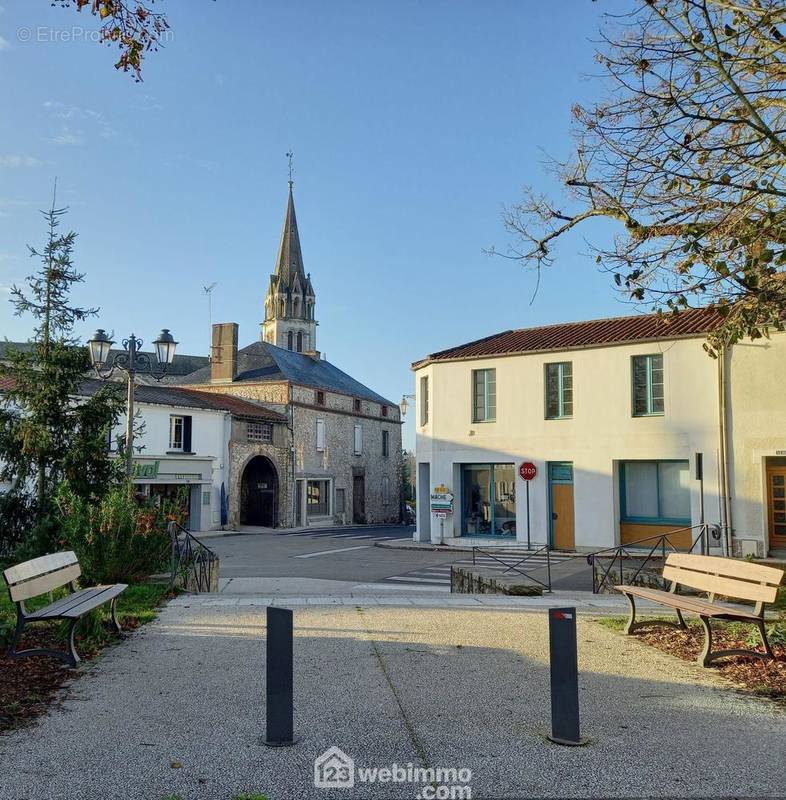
{"type": "Point", "coordinates": [317, 503]}
{"type": "Point", "coordinates": [488, 500]}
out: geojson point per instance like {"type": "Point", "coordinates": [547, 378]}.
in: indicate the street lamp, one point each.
{"type": "Point", "coordinates": [404, 405]}
{"type": "Point", "coordinates": [132, 362]}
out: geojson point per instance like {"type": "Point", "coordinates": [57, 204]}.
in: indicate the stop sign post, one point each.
{"type": "Point", "coordinates": [527, 471]}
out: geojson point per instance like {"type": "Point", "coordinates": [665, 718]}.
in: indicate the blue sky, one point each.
{"type": "Point", "coordinates": [413, 124]}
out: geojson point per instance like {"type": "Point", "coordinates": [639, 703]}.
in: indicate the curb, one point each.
{"type": "Point", "coordinates": [433, 548]}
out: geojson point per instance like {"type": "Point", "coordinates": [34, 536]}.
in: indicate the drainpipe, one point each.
{"type": "Point", "coordinates": [291, 426]}
{"type": "Point", "coordinates": [726, 516]}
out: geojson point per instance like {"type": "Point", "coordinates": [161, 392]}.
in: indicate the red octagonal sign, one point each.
{"type": "Point", "coordinates": [528, 471]}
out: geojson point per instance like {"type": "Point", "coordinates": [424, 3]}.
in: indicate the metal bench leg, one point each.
{"type": "Point", "coordinates": [764, 640]}
{"type": "Point", "coordinates": [704, 657]}
{"type": "Point", "coordinates": [631, 624]}
{"type": "Point", "coordinates": [113, 615]}
{"type": "Point", "coordinates": [20, 626]}
{"type": "Point", "coordinates": [707, 656]}
{"type": "Point", "coordinates": [73, 656]}
{"type": "Point", "coordinates": [681, 619]}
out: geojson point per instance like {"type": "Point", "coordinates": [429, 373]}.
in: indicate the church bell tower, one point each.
{"type": "Point", "coordinates": [290, 300]}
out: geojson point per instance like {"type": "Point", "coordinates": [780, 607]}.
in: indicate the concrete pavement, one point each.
{"type": "Point", "coordinates": [178, 710]}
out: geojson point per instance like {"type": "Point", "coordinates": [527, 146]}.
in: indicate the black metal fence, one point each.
{"type": "Point", "coordinates": [193, 563]}
{"type": "Point", "coordinates": [609, 566]}
{"type": "Point", "coordinates": [513, 559]}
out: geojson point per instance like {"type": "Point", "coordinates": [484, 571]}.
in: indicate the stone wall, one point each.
{"type": "Point", "coordinates": [338, 461]}
{"type": "Point", "coordinates": [240, 453]}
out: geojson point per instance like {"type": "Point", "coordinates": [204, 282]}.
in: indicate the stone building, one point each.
{"type": "Point", "coordinates": [343, 454]}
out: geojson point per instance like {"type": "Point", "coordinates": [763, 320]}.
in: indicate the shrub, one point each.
{"type": "Point", "coordinates": [118, 538]}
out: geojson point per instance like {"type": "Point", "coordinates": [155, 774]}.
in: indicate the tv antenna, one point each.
{"type": "Point", "coordinates": [208, 290]}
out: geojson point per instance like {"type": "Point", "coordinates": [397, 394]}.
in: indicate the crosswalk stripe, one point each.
{"type": "Point", "coordinates": [411, 579]}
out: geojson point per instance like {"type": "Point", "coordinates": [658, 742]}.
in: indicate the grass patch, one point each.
{"type": "Point", "coordinates": [29, 685]}
{"type": "Point", "coordinates": [765, 678]}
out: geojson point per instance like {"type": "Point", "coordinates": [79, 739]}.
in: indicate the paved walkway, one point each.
{"type": "Point", "coordinates": [178, 709]}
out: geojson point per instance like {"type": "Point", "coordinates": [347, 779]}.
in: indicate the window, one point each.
{"type": "Point", "coordinates": [180, 434]}
{"type": "Point", "coordinates": [424, 400]}
{"type": "Point", "coordinates": [317, 502]}
{"type": "Point", "coordinates": [357, 406]}
{"type": "Point", "coordinates": [289, 341]}
{"type": "Point", "coordinates": [384, 411]}
{"type": "Point", "coordinates": [205, 498]}
{"type": "Point", "coordinates": [320, 435]}
{"type": "Point", "coordinates": [300, 341]}
{"type": "Point", "coordinates": [484, 395]}
{"type": "Point", "coordinates": [320, 398]}
{"type": "Point", "coordinates": [358, 440]}
{"type": "Point", "coordinates": [655, 491]}
{"type": "Point", "coordinates": [488, 499]}
{"type": "Point", "coordinates": [341, 501]}
{"type": "Point", "coordinates": [559, 390]}
{"type": "Point", "coordinates": [385, 444]}
{"type": "Point", "coordinates": [385, 490]}
{"type": "Point", "coordinates": [647, 379]}
{"type": "Point", "coordinates": [176, 433]}
{"type": "Point", "coordinates": [259, 432]}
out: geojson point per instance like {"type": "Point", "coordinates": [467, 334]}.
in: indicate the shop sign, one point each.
{"type": "Point", "coordinates": [441, 500]}
{"type": "Point", "coordinates": [528, 471]}
{"type": "Point", "coordinates": [146, 470]}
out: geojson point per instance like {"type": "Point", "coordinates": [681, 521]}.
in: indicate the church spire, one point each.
{"type": "Point", "coordinates": [289, 304]}
{"type": "Point", "coordinates": [289, 265]}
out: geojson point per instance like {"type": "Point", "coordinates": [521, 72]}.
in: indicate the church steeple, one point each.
{"type": "Point", "coordinates": [289, 304]}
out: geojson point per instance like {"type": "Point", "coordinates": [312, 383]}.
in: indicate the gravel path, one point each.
{"type": "Point", "coordinates": [440, 687]}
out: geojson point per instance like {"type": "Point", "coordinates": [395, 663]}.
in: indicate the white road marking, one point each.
{"type": "Point", "coordinates": [412, 579]}
{"type": "Point", "coordinates": [340, 550]}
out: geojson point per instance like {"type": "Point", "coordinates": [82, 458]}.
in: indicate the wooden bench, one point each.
{"type": "Point", "coordinates": [727, 577]}
{"type": "Point", "coordinates": [41, 575]}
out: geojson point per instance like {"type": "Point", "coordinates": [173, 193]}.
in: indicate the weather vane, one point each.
{"type": "Point", "coordinates": [290, 156]}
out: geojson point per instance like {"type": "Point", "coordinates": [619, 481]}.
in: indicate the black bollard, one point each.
{"type": "Point", "coordinates": [279, 678]}
{"type": "Point", "coordinates": [564, 677]}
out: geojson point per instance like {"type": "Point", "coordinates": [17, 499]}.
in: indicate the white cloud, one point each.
{"type": "Point", "coordinates": [75, 114]}
{"type": "Point", "coordinates": [14, 162]}
{"type": "Point", "coordinates": [4, 43]}
{"type": "Point", "coordinates": [67, 137]}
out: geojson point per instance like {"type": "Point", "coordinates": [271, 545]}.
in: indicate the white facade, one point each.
{"type": "Point", "coordinates": [600, 436]}
{"type": "Point", "coordinates": [163, 464]}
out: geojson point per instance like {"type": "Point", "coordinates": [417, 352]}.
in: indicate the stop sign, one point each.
{"type": "Point", "coordinates": [528, 471]}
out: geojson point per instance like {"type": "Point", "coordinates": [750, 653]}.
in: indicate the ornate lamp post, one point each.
{"type": "Point", "coordinates": [132, 362]}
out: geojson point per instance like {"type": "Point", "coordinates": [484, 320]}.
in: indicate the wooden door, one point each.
{"type": "Point", "coordinates": [359, 500]}
{"type": "Point", "coordinates": [776, 507]}
{"type": "Point", "coordinates": [562, 516]}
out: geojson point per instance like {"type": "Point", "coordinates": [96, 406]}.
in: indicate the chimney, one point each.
{"type": "Point", "coordinates": [223, 356]}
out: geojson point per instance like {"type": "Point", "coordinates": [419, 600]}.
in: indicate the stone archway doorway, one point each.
{"type": "Point", "coordinates": [259, 493]}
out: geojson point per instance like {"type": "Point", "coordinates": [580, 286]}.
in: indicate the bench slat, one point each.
{"type": "Point", "coordinates": [39, 566]}
{"type": "Point", "coordinates": [694, 605]}
{"type": "Point", "coordinates": [730, 587]}
{"type": "Point", "coordinates": [44, 583]}
{"type": "Point", "coordinates": [106, 594]}
{"type": "Point", "coordinates": [727, 567]}
{"type": "Point", "coordinates": [65, 603]}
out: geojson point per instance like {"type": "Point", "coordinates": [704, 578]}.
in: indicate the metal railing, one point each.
{"type": "Point", "coordinates": [499, 556]}
{"type": "Point", "coordinates": [191, 560]}
{"type": "Point", "coordinates": [659, 545]}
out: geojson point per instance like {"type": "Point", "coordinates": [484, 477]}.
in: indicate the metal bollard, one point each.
{"type": "Point", "coordinates": [564, 678]}
{"type": "Point", "coordinates": [279, 706]}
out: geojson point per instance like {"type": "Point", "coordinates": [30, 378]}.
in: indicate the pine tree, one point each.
{"type": "Point", "coordinates": [49, 433]}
